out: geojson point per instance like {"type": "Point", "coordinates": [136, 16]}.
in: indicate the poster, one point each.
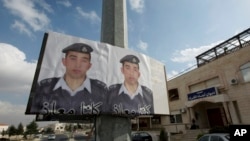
{"type": "Point", "coordinates": [76, 76]}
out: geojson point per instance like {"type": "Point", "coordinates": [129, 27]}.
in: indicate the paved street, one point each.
{"type": "Point", "coordinates": [63, 137]}
{"type": "Point", "coordinates": [81, 137]}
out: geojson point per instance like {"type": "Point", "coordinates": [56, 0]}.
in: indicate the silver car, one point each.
{"type": "Point", "coordinates": [215, 137]}
{"type": "Point", "coordinates": [51, 137]}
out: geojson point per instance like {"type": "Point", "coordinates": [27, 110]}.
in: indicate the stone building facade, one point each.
{"type": "Point", "coordinates": [217, 92]}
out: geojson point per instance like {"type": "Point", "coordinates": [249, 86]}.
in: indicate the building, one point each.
{"type": "Point", "coordinates": [217, 92]}
{"type": "Point", "coordinates": [3, 128]}
{"type": "Point", "coordinates": [56, 127]}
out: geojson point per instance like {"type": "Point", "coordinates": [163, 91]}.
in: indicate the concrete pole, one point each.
{"type": "Point", "coordinates": [114, 23]}
{"type": "Point", "coordinates": [114, 32]}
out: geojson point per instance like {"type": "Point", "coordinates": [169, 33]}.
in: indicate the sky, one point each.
{"type": "Point", "coordinates": [173, 32]}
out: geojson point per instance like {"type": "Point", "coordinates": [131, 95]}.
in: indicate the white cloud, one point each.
{"type": "Point", "coordinates": [26, 11]}
{"type": "Point", "coordinates": [16, 76]}
{"type": "Point", "coordinates": [172, 74]}
{"type": "Point", "coordinates": [16, 73]}
{"type": "Point", "coordinates": [142, 45]}
{"type": "Point", "coordinates": [21, 27]}
{"type": "Point", "coordinates": [137, 5]}
{"type": "Point", "coordinates": [65, 3]}
{"type": "Point", "coordinates": [14, 114]}
{"type": "Point", "coordinates": [92, 16]}
{"type": "Point", "coordinates": [189, 54]}
{"type": "Point", "coordinates": [44, 5]}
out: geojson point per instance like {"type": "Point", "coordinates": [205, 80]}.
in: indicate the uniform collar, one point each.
{"type": "Point", "coordinates": [61, 83]}
{"type": "Point", "coordinates": [124, 90]}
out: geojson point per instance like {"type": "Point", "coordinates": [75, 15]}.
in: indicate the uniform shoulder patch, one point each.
{"type": "Point", "coordinates": [114, 86]}
{"type": "Point", "coordinates": [99, 83]}
{"type": "Point", "coordinates": [147, 89]}
{"type": "Point", "coordinates": [48, 81]}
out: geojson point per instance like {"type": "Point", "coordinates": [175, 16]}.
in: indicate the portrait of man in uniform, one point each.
{"type": "Point", "coordinates": [130, 97]}
{"type": "Point", "coordinates": [74, 93]}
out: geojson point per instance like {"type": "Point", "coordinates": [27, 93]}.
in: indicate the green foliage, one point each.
{"type": "Point", "coordinates": [3, 132]}
{"type": "Point", "coordinates": [32, 128]}
{"type": "Point", "coordinates": [49, 130]}
{"type": "Point", "coordinates": [163, 135]}
{"type": "Point", "coordinates": [79, 126]}
{"type": "Point", "coordinates": [20, 130]}
{"type": "Point", "coordinates": [12, 130]}
{"type": "Point", "coordinates": [219, 129]}
{"type": "Point", "coordinates": [199, 135]}
{"type": "Point", "coordinates": [74, 127]}
{"type": "Point", "coordinates": [68, 127]}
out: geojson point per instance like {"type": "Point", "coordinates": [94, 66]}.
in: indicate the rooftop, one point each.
{"type": "Point", "coordinates": [229, 46]}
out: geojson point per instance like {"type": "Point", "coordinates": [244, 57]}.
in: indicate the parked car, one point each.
{"type": "Point", "coordinates": [141, 136]}
{"type": "Point", "coordinates": [38, 136]}
{"type": "Point", "coordinates": [4, 139]}
{"type": "Point", "coordinates": [51, 137]}
{"type": "Point", "coordinates": [215, 137]}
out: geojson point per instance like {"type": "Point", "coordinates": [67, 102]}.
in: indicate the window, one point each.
{"type": "Point", "coordinates": [173, 94]}
{"type": "Point", "coordinates": [205, 138]}
{"type": "Point", "coordinates": [156, 120]}
{"type": "Point", "coordinates": [176, 118]}
{"type": "Point", "coordinates": [214, 138]}
{"type": "Point", "coordinates": [245, 70]}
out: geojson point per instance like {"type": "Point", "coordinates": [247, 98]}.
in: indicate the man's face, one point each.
{"type": "Point", "coordinates": [130, 72]}
{"type": "Point", "coordinates": [77, 64]}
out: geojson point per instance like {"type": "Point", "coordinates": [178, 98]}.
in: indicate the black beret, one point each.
{"type": "Point", "coordinates": [78, 47]}
{"type": "Point", "coordinates": [130, 58]}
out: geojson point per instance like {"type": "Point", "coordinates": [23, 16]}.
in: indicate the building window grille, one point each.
{"type": "Point", "coordinates": [156, 120]}
{"type": "Point", "coordinates": [176, 118]}
{"type": "Point", "coordinates": [173, 94]}
{"type": "Point", "coordinates": [245, 71]}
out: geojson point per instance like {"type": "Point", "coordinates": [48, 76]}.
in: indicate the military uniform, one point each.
{"type": "Point", "coordinates": [55, 100]}
{"type": "Point", "coordinates": [54, 97]}
{"type": "Point", "coordinates": [121, 103]}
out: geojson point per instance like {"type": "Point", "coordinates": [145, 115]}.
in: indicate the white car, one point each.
{"type": "Point", "coordinates": [215, 137]}
{"type": "Point", "coordinates": [51, 137]}
{"type": "Point", "coordinates": [38, 136]}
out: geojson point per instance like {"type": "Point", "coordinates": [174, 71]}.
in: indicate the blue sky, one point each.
{"type": "Point", "coordinates": [171, 31]}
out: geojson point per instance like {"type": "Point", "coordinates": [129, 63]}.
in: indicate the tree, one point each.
{"type": "Point", "coordinates": [12, 130]}
{"type": "Point", "coordinates": [49, 130]}
{"type": "Point", "coordinates": [163, 135]}
{"type": "Point", "coordinates": [69, 128]}
{"type": "Point", "coordinates": [79, 126]}
{"type": "Point", "coordinates": [3, 132]}
{"type": "Point", "coordinates": [32, 128]}
{"type": "Point", "coordinates": [20, 130]}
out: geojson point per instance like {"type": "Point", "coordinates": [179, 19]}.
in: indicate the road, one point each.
{"type": "Point", "coordinates": [81, 137]}
{"type": "Point", "coordinates": [63, 137]}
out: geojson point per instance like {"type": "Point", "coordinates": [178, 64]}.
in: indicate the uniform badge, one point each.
{"type": "Point", "coordinates": [134, 60]}
{"type": "Point", "coordinates": [84, 49]}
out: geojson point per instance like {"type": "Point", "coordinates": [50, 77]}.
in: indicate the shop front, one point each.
{"type": "Point", "coordinates": [207, 108]}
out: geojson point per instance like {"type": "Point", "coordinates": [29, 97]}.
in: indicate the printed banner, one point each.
{"type": "Point", "coordinates": [76, 76]}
